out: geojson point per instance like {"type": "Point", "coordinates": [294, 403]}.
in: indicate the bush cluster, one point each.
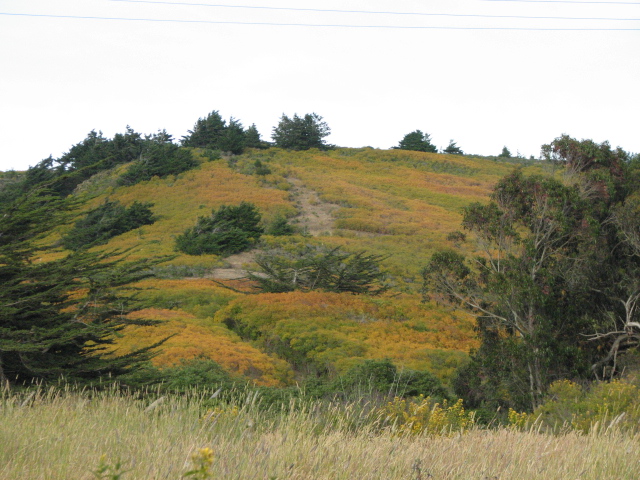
{"type": "Point", "coordinates": [108, 220]}
{"type": "Point", "coordinates": [158, 160]}
{"type": "Point", "coordinates": [228, 230]}
{"type": "Point", "coordinates": [310, 267]}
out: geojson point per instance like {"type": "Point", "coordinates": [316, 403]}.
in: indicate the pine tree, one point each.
{"type": "Point", "coordinates": [453, 149]}
{"type": "Point", "coordinates": [59, 318]}
{"type": "Point", "coordinates": [301, 133]}
{"type": "Point", "coordinates": [417, 141]}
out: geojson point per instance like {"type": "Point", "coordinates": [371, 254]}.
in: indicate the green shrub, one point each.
{"type": "Point", "coordinates": [198, 373]}
{"type": "Point", "coordinates": [381, 377]}
{"type": "Point", "coordinates": [310, 267]}
{"type": "Point", "coordinates": [424, 415]}
{"type": "Point", "coordinates": [229, 230]}
{"type": "Point", "coordinates": [161, 160]}
{"type": "Point", "coordinates": [108, 220]}
{"type": "Point", "coordinates": [601, 406]}
{"type": "Point", "coordinates": [280, 227]}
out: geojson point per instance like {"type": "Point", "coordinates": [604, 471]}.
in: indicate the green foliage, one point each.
{"type": "Point", "coordinates": [309, 267]}
{"type": "Point", "coordinates": [108, 220]}
{"type": "Point", "coordinates": [456, 237]}
{"type": "Point", "coordinates": [453, 149]}
{"type": "Point", "coordinates": [417, 141]}
{"type": "Point", "coordinates": [600, 406]}
{"type": "Point", "coordinates": [261, 169]}
{"type": "Point", "coordinates": [229, 230]}
{"type": "Point", "coordinates": [425, 415]}
{"type": "Point", "coordinates": [524, 288]}
{"type": "Point", "coordinates": [252, 138]}
{"type": "Point", "coordinates": [106, 471]}
{"type": "Point", "coordinates": [94, 154]}
{"type": "Point", "coordinates": [382, 377]}
{"type": "Point", "coordinates": [214, 133]}
{"type": "Point", "coordinates": [301, 133]}
{"type": "Point", "coordinates": [505, 153]}
{"type": "Point", "coordinates": [197, 373]}
{"type": "Point", "coordinates": [280, 227]}
{"type": "Point", "coordinates": [207, 132]}
{"type": "Point", "coordinates": [159, 160]}
{"type": "Point", "coordinates": [233, 138]}
{"type": "Point", "coordinates": [10, 186]}
{"type": "Point", "coordinates": [59, 318]}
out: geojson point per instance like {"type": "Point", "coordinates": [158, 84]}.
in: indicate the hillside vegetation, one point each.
{"type": "Point", "coordinates": [226, 259]}
{"type": "Point", "coordinates": [401, 205]}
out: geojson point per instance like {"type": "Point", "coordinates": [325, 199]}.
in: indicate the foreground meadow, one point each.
{"type": "Point", "coordinates": [70, 435]}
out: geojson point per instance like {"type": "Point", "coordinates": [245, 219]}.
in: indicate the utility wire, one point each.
{"type": "Point", "coordinates": [401, 27]}
{"type": "Point", "coordinates": [566, 1]}
{"type": "Point", "coordinates": [323, 10]}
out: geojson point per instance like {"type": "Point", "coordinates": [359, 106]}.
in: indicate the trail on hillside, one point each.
{"type": "Point", "coordinates": [315, 217]}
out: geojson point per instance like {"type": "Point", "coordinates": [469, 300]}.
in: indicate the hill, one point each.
{"type": "Point", "coordinates": [399, 205]}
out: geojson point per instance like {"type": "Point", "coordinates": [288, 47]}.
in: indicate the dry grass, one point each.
{"type": "Point", "coordinates": [63, 435]}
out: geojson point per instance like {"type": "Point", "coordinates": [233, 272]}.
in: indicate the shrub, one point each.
{"type": "Point", "coordinates": [229, 230]}
{"type": "Point", "coordinates": [188, 375]}
{"type": "Point", "coordinates": [382, 377]}
{"type": "Point", "coordinates": [161, 160]}
{"type": "Point", "coordinates": [319, 268]}
{"type": "Point", "coordinates": [108, 220]}
{"type": "Point", "coordinates": [280, 227]}
{"type": "Point", "coordinates": [424, 415]}
{"type": "Point", "coordinates": [603, 405]}
{"type": "Point", "coordinates": [417, 141]}
{"type": "Point", "coordinates": [301, 133]}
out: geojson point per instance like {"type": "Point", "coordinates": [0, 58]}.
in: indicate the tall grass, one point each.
{"type": "Point", "coordinates": [64, 434]}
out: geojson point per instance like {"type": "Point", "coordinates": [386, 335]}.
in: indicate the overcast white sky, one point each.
{"type": "Point", "coordinates": [485, 88]}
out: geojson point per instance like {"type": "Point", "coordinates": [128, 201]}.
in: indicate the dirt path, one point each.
{"type": "Point", "coordinates": [315, 217]}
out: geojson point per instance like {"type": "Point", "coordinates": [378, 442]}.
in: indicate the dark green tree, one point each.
{"type": "Point", "coordinates": [107, 221]}
{"type": "Point", "coordinates": [207, 132]}
{"type": "Point", "coordinates": [523, 289]}
{"type": "Point", "coordinates": [94, 154]}
{"type": "Point", "coordinates": [301, 133]}
{"type": "Point", "coordinates": [161, 160]}
{"type": "Point", "coordinates": [417, 141]}
{"type": "Point", "coordinates": [252, 138]}
{"type": "Point", "coordinates": [319, 268]}
{"type": "Point", "coordinates": [230, 229]}
{"type": "Point", "coordinates": [453, 149]}
{"type": "Point", "coordinates": [59, 318]}
{"type": "Point", "coordinates": [280, 227]}
{"type": "Point", "coordinates": [557, 267]}
{"type": "Point", "coordinates": [233, 138]}
{"type": "Point", "coordinates": [505, 153]}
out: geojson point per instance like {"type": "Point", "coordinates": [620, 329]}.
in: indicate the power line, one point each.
{"type": "Point", "coordinates": [323, 25]}
{"type": "Point", "coordinates": [565, 1]}
{"type": "Point", "coordinates": [325, 10]}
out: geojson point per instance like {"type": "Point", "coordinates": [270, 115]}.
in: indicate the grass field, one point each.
{"type": "Point", "coordinates": [65, 435]}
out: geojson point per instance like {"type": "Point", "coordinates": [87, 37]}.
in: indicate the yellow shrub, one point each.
{"type": "Point", "coordinates": [422, 415]}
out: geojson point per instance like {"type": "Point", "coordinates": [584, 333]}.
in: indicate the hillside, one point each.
{"type": "Point", "coordinates": [398, 204]}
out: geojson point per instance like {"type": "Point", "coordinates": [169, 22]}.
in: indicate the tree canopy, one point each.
{"type": "Point", "coordinates": [319, 268]}
{"type": "Point", "coordinates": [552, 274]}
{"type": "Point", "coordinates": [213, 132]}
{"type": "Point", "coordinates": [229, 229]}
{"type": "Point", "coordinates": [453, 149]}
{"type": "Point", "coordinates": [59, 318]}
{"type": "Point", "coordinates": [301, 133]}
{"type": "Point", "coordinates": [417, 141]}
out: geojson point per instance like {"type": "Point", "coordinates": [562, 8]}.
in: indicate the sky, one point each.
{"type": "Point", "coordinates": [485, 73]}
